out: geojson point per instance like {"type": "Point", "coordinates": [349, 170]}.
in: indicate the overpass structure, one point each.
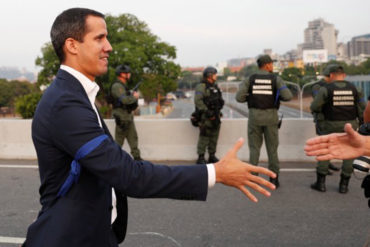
{"type": "Point", "coordinates": [171, 139]}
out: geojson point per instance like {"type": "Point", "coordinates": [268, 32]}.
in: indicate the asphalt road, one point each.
{"type": "Point", "coordinates": [294, 215]}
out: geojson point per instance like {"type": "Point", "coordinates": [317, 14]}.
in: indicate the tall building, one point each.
{"type": "Point", "coordinates": [359, 45]}
{"type": "Point", "coordinates": [321, 35]}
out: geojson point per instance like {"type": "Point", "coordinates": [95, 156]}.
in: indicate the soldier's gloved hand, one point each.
{"type": "Point", "coordinates": [366, 186]}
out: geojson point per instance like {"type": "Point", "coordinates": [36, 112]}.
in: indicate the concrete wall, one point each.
{"type": "Point", "coordinates": [167, 139]}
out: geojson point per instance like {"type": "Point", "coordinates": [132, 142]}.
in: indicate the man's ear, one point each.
{"type": "Point", "coordinates": [71, 46]}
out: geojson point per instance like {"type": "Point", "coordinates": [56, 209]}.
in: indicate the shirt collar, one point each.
{"type": "Point", "coordinates": [90, 87]}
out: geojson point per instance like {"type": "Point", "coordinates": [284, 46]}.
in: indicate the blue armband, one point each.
{"type": "Point", "coordinates": [75, 171]}
{"type": "Point", "coordinates": [278, 93]}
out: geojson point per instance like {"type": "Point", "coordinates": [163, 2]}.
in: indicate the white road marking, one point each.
{"type": "Point", "coordinates": [10, 240]}
{"type": "Point", "coordinates": [297, 169]}
{"type": "Point", "coordinates": [158, 235]}
{"type": "Point", "coordinates": [19, 166]}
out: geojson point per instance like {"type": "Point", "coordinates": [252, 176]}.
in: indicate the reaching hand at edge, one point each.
{"type": "Point", "coordinates": [348, 145]}
{"type": "Point", "coordinates": [233, 172]}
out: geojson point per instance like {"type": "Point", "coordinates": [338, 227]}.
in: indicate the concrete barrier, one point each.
{"type": "Point", "coordinates": [170, 139]}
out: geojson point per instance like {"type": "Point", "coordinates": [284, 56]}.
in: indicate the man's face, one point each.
{"type": "Point", "coordinates": [212, 78]}
{"type": "Point", "coordinates": [92, 54]}
{"type": "Point", "coordinates": [270, 67]}
{"type": "Point", "coordinates": [125, 77]}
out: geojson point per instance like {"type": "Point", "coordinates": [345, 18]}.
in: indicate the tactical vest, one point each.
{"type": "Point", "coordinates": [342, 102]}
{"type": "Point", "coordinates": [214, 99]}
{"type": "Point", "coordinates": [262, 92]}
{"type": "Point", "coordinates": [118, 104]}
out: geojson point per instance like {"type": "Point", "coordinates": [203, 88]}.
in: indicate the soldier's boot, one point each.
{"type": "Point", "coordinates": [212, 158]}
{"type": "Point", "coordinates": [343, 184]}
{"type": "Point", "coordinates": [333, 167]}
{"type": "Point", "coordinates": [201, 160]}
{"type": "Point", "coordinates": [320, 183]}
{"type": "Point", "coordinates": [275, 181]}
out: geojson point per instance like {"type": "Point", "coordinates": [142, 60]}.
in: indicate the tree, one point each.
{"type": "Point", "coordinates": [150, 59]}
{"type": "Point", "coordinates": [26, 104]}
{"type": "Point", "coordinates": [49, 63]}
{"type": "Point", "coordinates": [9, 90]}
{"type": "Point", "coordinates": [292, 74]}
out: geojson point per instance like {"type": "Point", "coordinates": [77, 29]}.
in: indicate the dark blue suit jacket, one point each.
{"type": "Point", "coordinates": [63, 122]}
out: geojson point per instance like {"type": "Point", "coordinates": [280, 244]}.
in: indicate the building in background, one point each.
{"type": "Point", "coordinates": [320, 35]}
{"type": "Point", "coordinates": [359, 48]}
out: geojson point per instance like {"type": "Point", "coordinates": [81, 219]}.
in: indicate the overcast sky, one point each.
{"type": "Point", "coordinates": [204, 32]}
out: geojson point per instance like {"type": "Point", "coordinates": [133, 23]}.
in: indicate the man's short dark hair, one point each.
{"type": "Point", "coordinates": [71, 23]}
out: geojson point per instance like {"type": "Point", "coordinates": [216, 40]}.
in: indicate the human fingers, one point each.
{"type": "Point", "coordinates": [259, 188]}
{"type": "Point", "coordinates": [348, 129]}
{"type": "Point", "coordinates": [258, 169]}
{"type": "Point", "coordinates": [238, 144]}
{"type": "Point", "coordinates": [317, 140]}
{"type": "Point", "coordinates": [316, 147]}
{"type": "Point", "coordinates": [261, 181]}
{"type": "Point", "coordinates": [248, 193]}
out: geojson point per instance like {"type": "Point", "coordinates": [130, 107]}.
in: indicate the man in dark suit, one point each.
{"type": "Point", "coordinates": [79, 162]}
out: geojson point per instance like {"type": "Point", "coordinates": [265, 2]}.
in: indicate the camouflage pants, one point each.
{"type": "Point", "coordinates": [323, 167]}
{"type": "Point", "coordinates": [208, 137]}
{"type": "Point", "coordinates": [255, 140]}
{"type": "Point", "coordinates": [127, 130]}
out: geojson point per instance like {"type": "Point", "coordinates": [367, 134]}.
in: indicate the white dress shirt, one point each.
{"type": "Point", "coordinates": [92, 89]}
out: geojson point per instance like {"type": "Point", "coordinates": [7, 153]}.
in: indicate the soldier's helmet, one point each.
{"type": "Point", "coordinates": [209, 71]}
{"type": "Point", "coordinates": [123, 68]}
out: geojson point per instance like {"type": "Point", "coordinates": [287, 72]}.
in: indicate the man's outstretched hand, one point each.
{"type": "Point", "coordinates": [348, 145]}
{"type": "Point", "coordinates": [233, 172]}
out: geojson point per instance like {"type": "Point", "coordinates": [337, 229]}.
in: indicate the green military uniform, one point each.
{"type": "Point", "coordinates": [317, 116]}
{"type": "Point", "coordinates": [263, 120]}
{"type": "Point", "coordinates": [124, 104]}
{"type": "Point", "coordinates": [208, 101]}
{"type": "Point", "coordinates": [338, 108]}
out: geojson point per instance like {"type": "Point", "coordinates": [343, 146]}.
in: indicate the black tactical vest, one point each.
{"type": "Point", "coordinates": [214, 101]}
{"type": "Point", "coordinates": [262, 92]}
{"type": "Point", "coordinates": [342, 102]}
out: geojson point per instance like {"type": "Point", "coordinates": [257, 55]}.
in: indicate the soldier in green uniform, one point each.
{"type": "Point", "coordinates": [340, 103]}
{"type": "Point", "coordinates": [208, 102]}
{"type": "Point", "coordinates": [124, 103]}
{"type": "Point", "coordinates": [319, 117]}
{"type": "Point", "coordinates": [263, 92]}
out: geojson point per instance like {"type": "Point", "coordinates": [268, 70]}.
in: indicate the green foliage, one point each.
{"type": "Point", "coordinates": [150, 59]}
{"type": "Point", "coordinates": [133, 44]}
{"type": "Point", "coordinates": [292, 74]}
{"type": "Point", "coordinates": [26, 105]}
{"type": "Point", "coordinates": [9, 90]}
{"type": "Point", "coordinates": [49, 63]}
